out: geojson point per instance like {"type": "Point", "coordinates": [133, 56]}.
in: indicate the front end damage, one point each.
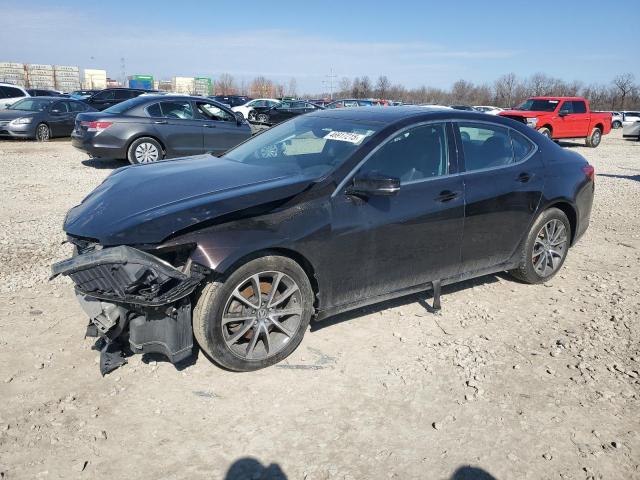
{"type": "Point", "coordinates": [136, 301]}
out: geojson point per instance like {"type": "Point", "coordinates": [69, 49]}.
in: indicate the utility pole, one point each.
{"type": "Point", "coordinates": [331, 77]}
{"type": "Point", "coordinates": [123, 72]}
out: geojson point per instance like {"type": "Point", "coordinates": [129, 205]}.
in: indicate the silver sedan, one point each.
{"type": "Point", "coordinates": [631, 130]}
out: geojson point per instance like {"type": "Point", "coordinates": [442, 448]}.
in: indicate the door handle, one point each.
{"type": "Point", "coordinates": [209, 125]}
{"type": "Point", "coordinates": [523, 177]}
{"type": "Point", "coordinates": [160, 122]}
{"type": "Point", "coordinates": [447, 196]}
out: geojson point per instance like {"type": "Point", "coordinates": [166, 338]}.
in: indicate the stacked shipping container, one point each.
{"type": "Point", "coordinates": [67, 78]}
{"type": "Point", "coordinates": [13, 73]}
{"type": "Point", "coordinates": [40, 76]}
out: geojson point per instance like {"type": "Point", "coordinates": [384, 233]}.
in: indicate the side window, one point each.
{"type": "Point", "coordinates": [122, 95]}
{"type": "Point", "coordinates": [522, 146]}
{"type": "Point", "coordinates": [60, 106]}
{"type": "Point", "coordinates": [579, 106]}
{"type": "Point", "coordinates": [212, 112]}
{"type": "Point", "coordinates": [180, 110]}
{"type": "Point", "coordinates": [104, 95]}
{"type": "Point", "coordinates": [485, 146]}
{"type": "Point", "coordinates": [154, 110]}
{"type": "Point", "coordinates": [298, 105]}
{"type": "Point", "coordinates": [77, 106]}
{"type": "Point", "coordinates": [567, 107]}
{"type": "Point", "coordinates": [415, 154]}
{"type": "Point", "coordinates": [352, 103]}
{"type": "Point", "coordinates": [285, 105]}
{"type": "Point", "coordinates": [3, 94]}
{"type": "Point", "coordinates": [13, 92]}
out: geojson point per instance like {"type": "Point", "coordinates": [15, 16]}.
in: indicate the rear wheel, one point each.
{"type": "Point", "coordinates": [545, 131]}
{"type": "Point", "coordinates": [616, 124]}
{"type": "Point", "coordinates": [262, 118]}
{"type": "Point", "coordinates": [43, 134]}
{"type": "Point", "coordinates": [256, 316]}
{"type": "Point", "coordinates": [145, 150]}
{"type": "Point", "coordinates": [545, 248]}
{"type": "Point", "coordinates": [595, 138]}
{"type": "Point", "coordinates": [252, 116]}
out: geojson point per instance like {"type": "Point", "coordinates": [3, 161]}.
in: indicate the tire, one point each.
{"type": "Point", "coordinates": [546, 132]}
{"type": "Point", "coordinates": [536, 268]}
{"type": "Point", "coordinates": [251, 116]}
{"type": "Point", "coordinates": [43, 132]}
{"type": "Point", "coordinates": [262, 118]}
{"type": "Point", "coordinates": [616, 124]}
{"type": "Point", "coordinates": [242, 345]}
{"type": "Point", "coordinates": [239, 114]}
{"type": "Point", "coordinates": [145, 150]}
{"type": "Point", "coordinates": [595, 138]}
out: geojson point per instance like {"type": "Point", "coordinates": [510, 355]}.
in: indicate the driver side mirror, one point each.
{"type": "Point", "coordinates": [369, 185]}
{"type": "Point", "coordinates": [563, 113]}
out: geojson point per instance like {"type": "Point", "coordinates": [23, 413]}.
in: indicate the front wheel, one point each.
{"type": "Point", "coordinates": [262, 118]}
{"type": "Point", "coordinates": [43, 133]}
{"type": "Point", "coordinates": [545, 248]}
{"type": "Point", "coordinates": [616, 124]}
{"type": "Point", "coordinates": [145, 150]}
{"type": "Point", "coordinates": [256, 316]}
{"type": "Point", "coordinates": [595, 138]}
{"type": "Point", "coordinates": [545, 131]}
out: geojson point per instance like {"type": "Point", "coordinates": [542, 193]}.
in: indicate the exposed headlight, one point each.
{"type": "Point", "coordinates": [532, 122]}
{"type": "Point", "coordinates": [21, 121]}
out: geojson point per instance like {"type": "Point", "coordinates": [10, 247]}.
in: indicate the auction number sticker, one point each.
{"type": "Point", "coordinates": [354, 138]}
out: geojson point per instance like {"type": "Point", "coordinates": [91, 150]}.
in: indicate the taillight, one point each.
{"type": "Point", "coordinates": [589, 171]}
{"type": "Point", "coordinates": [96, 126]}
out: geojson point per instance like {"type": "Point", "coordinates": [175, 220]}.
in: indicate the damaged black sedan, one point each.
{"type": "Point", "coordinates": [324, 213]}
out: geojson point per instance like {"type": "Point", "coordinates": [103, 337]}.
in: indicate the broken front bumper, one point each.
{"type": "Point", "coordinates": [133, 295]}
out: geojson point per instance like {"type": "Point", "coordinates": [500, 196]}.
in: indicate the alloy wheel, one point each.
{"type": "Point", "coordinates": [550, 248]}
{"type": "Point", "coordinates": [597, 136]}
{"type": "Point", "coordinates": [42, 134]}
{"type": "Point", "coordinates": [146, 153]}
{"type": "Point", "coordinates": [263, 118]}
{"type": "Point", "coordinates": [261, 315]}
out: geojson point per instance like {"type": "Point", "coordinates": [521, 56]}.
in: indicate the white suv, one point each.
{"type": "Point", "coordinates": [10, 94]}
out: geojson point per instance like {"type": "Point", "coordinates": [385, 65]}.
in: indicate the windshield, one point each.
{"type": "Point", "coordinates": [533, 105]}
{"type": "Point", "coordinates": [123, 106]}
{"type": "Point", "coordinates": [309, 145]}
{"type": "Point", "coordinates": [31, 105]}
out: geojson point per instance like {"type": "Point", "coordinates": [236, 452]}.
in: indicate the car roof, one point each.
{"type": "Point", "coordinates": [52, 97]}
{"type": "Point", "coordinates": [556, 98]}
{"type": "Point", "coordinates": [392, 115]}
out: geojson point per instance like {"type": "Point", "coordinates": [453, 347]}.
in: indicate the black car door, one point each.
{"type": "Point", "coordinates": [280, 112]}
{"type": "Point", "coordinates": [503, 181]}
{"type": "Point", "coordinates": [102, 100]}
{"type": "Point", "coordinates": [177, 127]}
{"type": "Point", "coordinates": [389, 243]}
{"type": "Point", "coordinates": [221, 130]}
{"type": "Point", "coordinates": [61, 120]}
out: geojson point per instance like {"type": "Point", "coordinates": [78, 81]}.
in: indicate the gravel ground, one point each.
{"type": "Point", "coordinates": [509, 381]}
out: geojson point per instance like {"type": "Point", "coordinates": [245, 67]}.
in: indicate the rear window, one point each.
{"type": "Point", "coordinates": [123, 106]}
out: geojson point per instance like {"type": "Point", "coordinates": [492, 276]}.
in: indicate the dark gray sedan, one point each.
{"type": "Point", "coordinates": [41, 118]}
{"type": "Point", "coordinates": [149, 128]}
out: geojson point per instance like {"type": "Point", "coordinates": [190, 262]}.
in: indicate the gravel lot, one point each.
{"type": "Point", "coordinates": [510, 380]}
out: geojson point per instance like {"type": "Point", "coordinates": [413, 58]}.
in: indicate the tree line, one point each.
{"type": "Point", "coordinates": [622, 93]}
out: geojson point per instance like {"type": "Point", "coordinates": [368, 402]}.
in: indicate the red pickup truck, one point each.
{"type": "Point", "coordinates": [562, 117]}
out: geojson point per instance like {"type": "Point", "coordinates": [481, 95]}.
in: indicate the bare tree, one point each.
{"type": "Point", "coordinates": [356, 89]}
{"type": "Point", "coordinates": [292, 91]}
{"type": "Point", "coordinates": [505, 89]}
{"type": "Point", "coordinates": [624, 83]}
{"type": "Point", "coordinates": [344, 87]}
{"type": "Point", "coordinates": [261, 87]}
{"type": "Point", "coordinates": [225, 85]}
{"type": "Point", "coordinates": [382, 86]}
{"type": "Point", "coordinates": [365, 87]}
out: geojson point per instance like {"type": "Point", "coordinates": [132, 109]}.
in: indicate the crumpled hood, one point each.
{"type": "Point", "coordinates": [148, 203]}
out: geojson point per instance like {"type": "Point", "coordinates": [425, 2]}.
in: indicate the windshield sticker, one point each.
{"type": "Point", "coordinates": [354, 138]}
{"type": "Point", "coordinates": [554, 101]}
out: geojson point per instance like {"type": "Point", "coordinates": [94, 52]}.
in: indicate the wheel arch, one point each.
{"type": "Point", "coordinates": [569, 210]}
{"type": "Point", "coordinates": [600, 126]}
{"type": "Point", "coordinates": [547, 126]}
{"type": "Point", "coordinates": [232, 263]}
{"type": "Point", "coordinates": [144, 135]}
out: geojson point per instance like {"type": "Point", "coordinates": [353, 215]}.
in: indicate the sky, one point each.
{"type": "Point", "coordinates": [411, 42]}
